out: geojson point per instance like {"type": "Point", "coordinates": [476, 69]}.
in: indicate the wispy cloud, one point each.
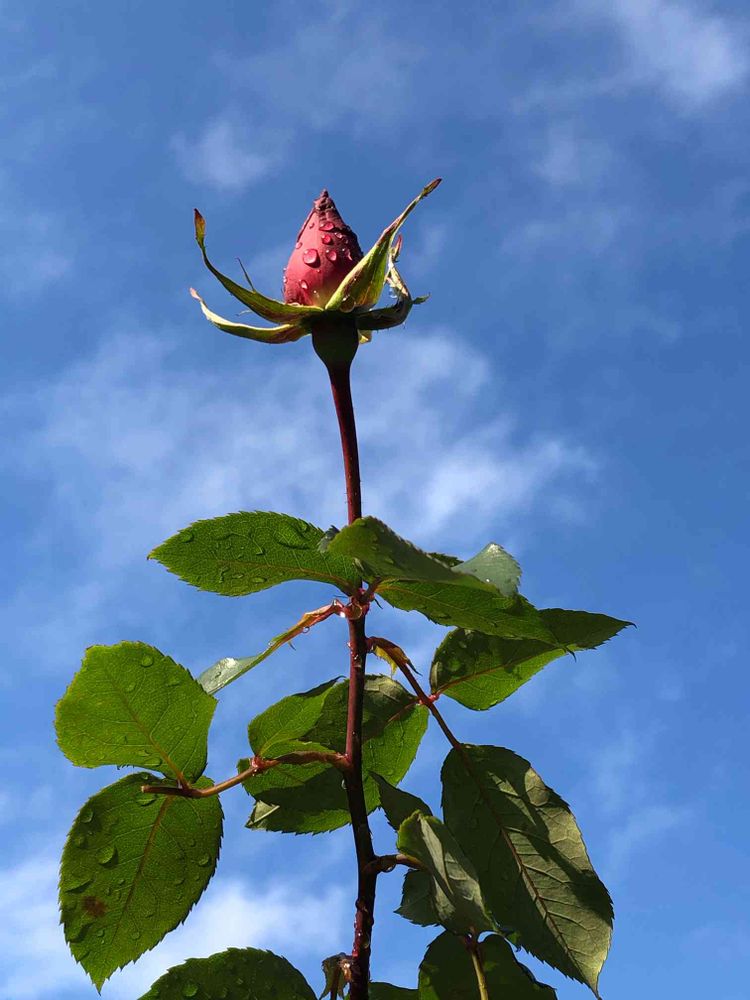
{"type": "Point", "coordinates": [693, 56]}
{"type": "Point", "coordinates": [36, 964]}
{"type": "Point", "coordinates": [228, 154]}
{"type": "Point", "coordinates": [570, 159]}
{"type": "Point", "coordinates": [131, 445]}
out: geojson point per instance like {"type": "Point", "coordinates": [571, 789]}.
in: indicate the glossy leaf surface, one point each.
{"type": "Point", "coordinates": [530, 858]}
{"type": "Point", "coordinates": [130, 704]}
{"type": "Point", "coordinates": [234, 974]}
{"type": "Point", "coordinates": [250, 551]}
{"type": "Point", "coordinates": [132, 868]}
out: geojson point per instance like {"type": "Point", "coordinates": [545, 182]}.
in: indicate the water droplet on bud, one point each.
{"type": "Point", "coordinates": [327, 226]}
{"type": "Point", "coordinates": [327, 238]}
{"type": "Point", "coordinates": [311, 258]}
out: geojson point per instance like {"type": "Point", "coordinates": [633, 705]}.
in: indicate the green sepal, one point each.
{"type": "Point", "coordinates": [363, 286]}
{"type": "Point", "coordinates": [284, 334]}
{"type": "Point", "coordinates": [455, 893]}
{"type": "Point", "coordinates": [479, 671]}
{"type": "Point", "coordinates": [447, 972]}
{"type": "Point", "coordinates": [532, 864]}
{"type": "Point", "coordinates": [269, 309]}
{"type": "Point", "coordinates": [132, 868]}
{"type": "Point", "coordinates": [234, 974]}
{"type": "Point", "coordinates": [246, 552]}
{"type": "Point", "coordinates": [131, 705]}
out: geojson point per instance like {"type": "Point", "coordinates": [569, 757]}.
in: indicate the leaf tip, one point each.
{"type": "Point", "coordinates": [200, 226]}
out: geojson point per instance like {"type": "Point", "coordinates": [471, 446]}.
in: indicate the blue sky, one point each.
{"type": "Point", "coordinates": [575, 389]}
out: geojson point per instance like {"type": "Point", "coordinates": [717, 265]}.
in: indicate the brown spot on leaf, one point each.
{"type": "Point", "coordinates": [96, 907]}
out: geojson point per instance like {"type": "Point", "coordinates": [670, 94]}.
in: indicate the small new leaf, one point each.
{"type": "Point", "coordinates": [234, 974]}
{"type": "Point", "coordinates": [456, 896]}
{"type": "Point", "coordinates": [249, 551]}
{"type": "Point", "coordinates": [130, 704]}
{"type": "Point", "coordinates": [132, 868]}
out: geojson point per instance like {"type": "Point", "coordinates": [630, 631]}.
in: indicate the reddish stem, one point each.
{"type": "Point", "coordinates": [336, 345]}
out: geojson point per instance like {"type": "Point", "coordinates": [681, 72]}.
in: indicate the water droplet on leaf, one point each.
{"type": "Point", "coordinates": [190, 990]}
{"type": "Point", "coordinates": [87, 814]}
{"type": "Point", "coordinates": [146, 799]}
{"type": "Point", "coordinates": [204, 860]}
{"type": "Point", "coordinates": [187, 536]}
{"type": "Point", "coordinates": [147, 660]}
{"type": "Point", "coordinates": [107, 855]}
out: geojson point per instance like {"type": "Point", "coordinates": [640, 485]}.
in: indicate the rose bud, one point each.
{"type": "Point", "coordinates": [327, 280]}
{"type": "Point", "coordinates": [325, 252]}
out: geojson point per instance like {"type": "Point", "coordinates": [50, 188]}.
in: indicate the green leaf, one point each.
{"type": "Point", "coordinates": [456, 604]}
{"type": "Point", "coordinates": [363, 286]}
{"type": "Point", "coordinates": [389, 556]}
{"type": "Point", "coordinates": [284, 334]}
{"type": "Point", "coordinates": [416, 899]}
{"type": "Point", "coordinates": [247, 552]}
{"type": "Point", "coordinates": [496, 566]}
{"type": "Point", "coordinates": [269, 309]}
{"type": "Point", "coordinates": [447, 972]}
{"type": "Point", "coordinates": [289, 719]}
{"type": "Point", "coordinates": [480, 671]}
{"type": "Point", "coordinates": [132, 868]}
{"type": "Point", "coordinates": [530, 857]}
{"type": "Point", "coordinates": [398, 804]}
{"type": "Point", "coordinates": [130, 704]}
{"type": "Point", "coordinates": [384, 991]}
{"type": "Point", "coordinates": [310, 798]}
{"type": "Point", "coordinates": [455, 893]}
{"type": "Point", "coordinates": [234, 974]}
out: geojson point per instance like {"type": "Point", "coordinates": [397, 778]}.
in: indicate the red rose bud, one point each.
{"type": "Point", "coordinates": [325, 252]}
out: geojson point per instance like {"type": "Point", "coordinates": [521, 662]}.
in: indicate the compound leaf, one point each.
{"type": "Point", "coordinates": [132, 868]}
{"type": "Point", "coordinates": [310, 798]}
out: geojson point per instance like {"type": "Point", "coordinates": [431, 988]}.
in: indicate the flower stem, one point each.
{"type": "Point", "coordinates": [336, 345]}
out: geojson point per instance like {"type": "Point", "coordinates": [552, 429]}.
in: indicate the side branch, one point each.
{"type": "Point", "coordinates": [257, 766]}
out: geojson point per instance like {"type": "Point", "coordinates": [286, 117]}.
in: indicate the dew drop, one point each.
{"type": "Point", "coordinates": [257, 550]}
{"type": "Point", "coordinates": [107, 855]}
{"type": "Point", "coordinates": [204, 860]}
{"type": "Point", "coordinates": [331, 255]}
{"type": "Point", "coordinates": [311, 258]}
{"type": "Point", "coordinates": [87, 814]}
{"type": "Point", "coordinates": [174, 680]}
{"type": "Point", "coordinates": [121, 881]}
{"type": "Point", "coordinates": [258, 579]}
{"type": "Point", "coordinates": [298, 244]}
{"type": "Point", "coordinates": [152, 761]}
{"type": "Point", "coordinates": [304, 286]}
{"type": "Point", "coordinates": [77, 884]}
{"type": "Point", "coordinates": [327, 226]}
{"type": "Point", "coordinates": [311, 225]}
{"type": "Point", "coordinates": [179, 880]}
{"type": "Point", "coordinates": [129, 688]}
{"type": "Point", "coordinates": [191, 842]}
{"type": "Point", "coordinates": [326, 238]}
{"type": "Point", "coordinates": [80, 840]}
{"type": "Point", "coordinates": [145, 800]}
{"type": "Point", "coordinates": [187, 536]}
{"type": "Point", "coordinates": [135, 934]}
{"type": "Point", "coordinates": [100, 932]}
{"type": "Point", "coordinates": [147, 660]}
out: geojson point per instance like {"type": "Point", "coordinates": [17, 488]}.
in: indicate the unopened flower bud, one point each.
{"type": "Point", "coordinates": [325, 252]}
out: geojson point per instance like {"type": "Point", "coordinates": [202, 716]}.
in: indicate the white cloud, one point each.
{"type": "Point", "coordinates": [569, 159]}
{"type": "Point", "coordinates": [228, 154]}
{"type": "Point", "coordinates": [695, 57]}
{"type": "Point", "coordinates": [35, 962]}
{"type": "Point", "coordinates": [35, 251]}
{"type": "Point", "coordinates": [640, 828]}
{"type": "Point", "coordinates": [131, 445]}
